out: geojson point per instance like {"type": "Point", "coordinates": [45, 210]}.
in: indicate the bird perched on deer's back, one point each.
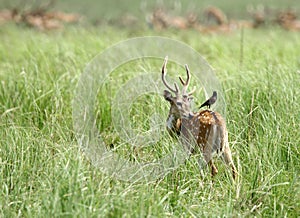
{"type": "Point", "coordinates": [210, 101]}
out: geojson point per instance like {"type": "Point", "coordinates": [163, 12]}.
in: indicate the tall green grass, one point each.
{"type": "Point", "coordinates": [44, 172]}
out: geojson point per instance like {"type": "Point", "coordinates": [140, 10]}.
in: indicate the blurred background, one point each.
{"type": "Point", "coordinates": [186, 13]}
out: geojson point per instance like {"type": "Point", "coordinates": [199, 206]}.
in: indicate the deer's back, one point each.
{"type": "Point", "coordinates": [205, 126]}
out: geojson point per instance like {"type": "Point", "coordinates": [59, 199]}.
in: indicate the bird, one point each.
{"type": "Point", "coordinates": [210, 101]}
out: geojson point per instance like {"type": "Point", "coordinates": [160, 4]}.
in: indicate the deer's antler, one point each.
{"type": "Point", "coordinates": [186, 83]}
{"type": "Point", "coordinates": [163, 76]}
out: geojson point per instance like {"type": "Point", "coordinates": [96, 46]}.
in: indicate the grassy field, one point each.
{"type": "Point", "coordinates": [44, 172]}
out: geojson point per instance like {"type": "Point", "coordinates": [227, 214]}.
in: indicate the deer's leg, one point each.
{"type": "Point", "coordinates": [228, 160]}
{"type": "Point", "coordinates": [214, 169]}
{"type": "Point", "coordinates": [228, 157]}
{"type": "Point", "coordinates": [207, 154]}
{"type": "Point", "coordinates": [209, 149]}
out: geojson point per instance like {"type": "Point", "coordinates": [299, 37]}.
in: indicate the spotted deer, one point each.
{"type": "Point", "coordinates": [204, 130]}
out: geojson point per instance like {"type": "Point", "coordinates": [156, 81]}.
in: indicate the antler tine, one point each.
{"type": "Point", "coordinates": [176, 87]}
{"type": "Point", "coordinates": [187, 74]}
{"type": "Point", "coordinates": [186, 83]}
{"type": "Point", "coordinates": [181, 80]}
{"type": "Point", "coordinates": [163, 76]}
{"type": "Point", "coordinates": [193, 90]}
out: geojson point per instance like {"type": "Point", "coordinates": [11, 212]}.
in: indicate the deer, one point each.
{"type": "Point", "coordinates": [215, 14]}
{"type": "Point", "coordinates": [204, 130]}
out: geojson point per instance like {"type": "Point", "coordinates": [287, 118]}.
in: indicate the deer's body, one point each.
{"type": "Point", "coordinates": [215, 14]}
{"type": "Point", "coordinates": [204, 130]}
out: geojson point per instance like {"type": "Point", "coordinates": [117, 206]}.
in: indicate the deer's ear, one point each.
{"type": "Point", "coordinates": [167, 95]}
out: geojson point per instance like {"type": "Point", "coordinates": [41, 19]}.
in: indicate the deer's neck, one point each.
{"type": "Point", "coordinates": [171, 121]}
{"type": "Point", "coordinates": [173, 125]}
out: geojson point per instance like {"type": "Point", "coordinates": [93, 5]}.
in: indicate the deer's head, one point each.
{"type": "Point", "coordinates": [180, 101]}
